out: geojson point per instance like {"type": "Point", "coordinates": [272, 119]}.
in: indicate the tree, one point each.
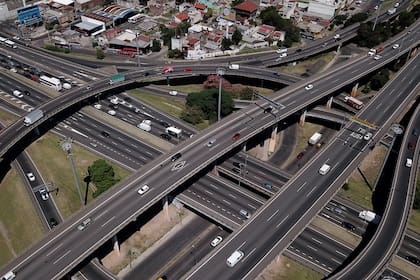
{"type": "Point", "coordinates": [236, 2]}
{"type": "Point", "coordinates": [226, 43]}
{"type": "Point", "coordinates": [416, 204]}
{"type": "Point", "coordinates": [359, 17]}
{"type": "Point", "coordinates": [167, 34]}
{"type": "Point", "coordinates": [246, 93]}
{"type": "Point", "coordinates": [100, 53]}
{"type": "Point", "coordinates": [182, 28]}
{"type": "Point", "coordinates": [340, 19]}
{"type": "Point", "coordinates": [156, 45]}
{"type": "Point", "coordinates": [175, 54]}
{"type": "Point", "coordinates": [270, 16]}
{"type": "Point", "coordinates": [102, 175]}
{"type": "Point", "coordinates": [406, 19]}
{"type": "Point", "coordinates": [192, 115]}
{"type": "Point", "coordinates": [379, 79]}
{"type": "Point", "coordinates": [236, 36]}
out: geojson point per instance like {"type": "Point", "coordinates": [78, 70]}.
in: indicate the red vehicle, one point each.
{"type": "Point", "coordinates": [300, 155]}
{"type": "Point", "coordinates": [355, 103]}
{"type": "Point", "coordinates": [236, 136]}
{"type": "Point", "coordinates": [168, 69]}
{"type": "Point", "coordinates": [378, 49]}
{"type": "Point", "coordinates": [187, 70]}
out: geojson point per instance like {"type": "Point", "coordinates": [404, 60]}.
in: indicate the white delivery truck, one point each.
{"type": "Point", "coordinates": [145, 125]}
{"type": "Point", "coordinates": [369, 216]}
{"type": "Point", "coordinates": [234, 66]}
{"type": "Point", "coordinates": [33, 117]}
{"type": "Point", "coordinates": [315, 138]}
{"type": "Point", "coordinates": [173, 131]}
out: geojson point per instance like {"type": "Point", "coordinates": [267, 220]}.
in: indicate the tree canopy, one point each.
{"type": "Point", "coordinates": [270, 16]}
{"type": "Point", "coordinates": [102, 175]}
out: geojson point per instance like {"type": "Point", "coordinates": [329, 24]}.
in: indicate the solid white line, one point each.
{"type": "Point", "coordinates": [55, 249]}
{"type": "Point", "coordinates": [282, 221]}
{"type": "Point", "coordinates": [250, 253]}
{"type": "Point", "coordinates": [57, 260]}
{"type": "Point", "coordinates": [110, 219]}
{"type": "Point", "coordinates": [310, 247]}
{"type": "Point", "coordinates": [316, 240]}
{"type": "Point", "coordinates": [209, 192]}
{"type": "Point", "coordinates": [252, 206]}
{"type": "Point", "coordinates": [309, 193]}
{"type": "Point", "coordinates": [227, 202]}
{"type": "Point", "coordinates": [101, 214]}
{"type": "Point", "coordinates": [336, 261]}
{"type": "Point", "coordinates": [340, 253]}
{"type": "Point", "coordinates": [272, 215]}
{"type": "Point", "coordinates": [298, 190]}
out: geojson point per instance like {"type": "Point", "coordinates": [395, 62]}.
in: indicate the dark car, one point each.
{"type": "Point", "coordinates": [114, 106]}
{"type": "Point", "coordinates": [105, 134]}
{"type": "Point", "coordinates": [411, 146]}
{"type": "Point", "coordinates": [166, 136]}
{"type": "Point", "coordinates": [413, 259]}
{"type": "Point", "coordinates": [26, 92]}
{"type": "Point", "coordinates": [53, 222]}
{"type": "Point", "coordinates": [236, 136]}
{"type": "Point", "coordinates": [128, 99]}
{"type": "Point", "coordinates": [164, 124]}
{"type": "Point", "coordinates": [415, 132]}
{"type": "Point", "coordinates": [176, 156]}
{"type": "Point", "coordinates": [268, 110]}
{"type": "Point", "coordinates": [267, 186]}
{"type": "Point", "coordinates": [298, 50]}
{"type": "Point", "coordinates": [146, 74]}
{"type": "Point", "coordinates": [300, 155]}
{"type": "Point", "coordinates": [348, 226]}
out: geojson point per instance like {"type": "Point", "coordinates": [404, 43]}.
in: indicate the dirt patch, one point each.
{"type": "Point", "coordinates": [143, 239]}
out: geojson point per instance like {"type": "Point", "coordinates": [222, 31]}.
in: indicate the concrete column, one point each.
{"type": "Point", "coordinates": [329, 102]}
{"type": "Point", "coordinates": [166, 208]}
{"type": "Point", "coordinates": [354, 90]}
{"type": "Point", "coordinates": [215, 171]}
{"type": "Point", "coordinates": [302, 118]}
{"type": "Point", "coordinates": [273, 140]}
{"type": "Point", "coordinates": [116, 245]}
{"type": "Point", "coordinates": [266, 149]}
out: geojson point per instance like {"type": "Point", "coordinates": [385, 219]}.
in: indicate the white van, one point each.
{"type": "Point", "coordinates": [9, 276]}
{"type": "Point", "coordinates": [234, 258]}
{"type": "Point", "coordinates": [234, 66]}
{"type": "Point", "coordinates": [324, 169]}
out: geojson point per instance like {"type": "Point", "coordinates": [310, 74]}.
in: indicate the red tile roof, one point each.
{"type": "Point", "coordinates": [182, 16]}
{"type": "Point", "coordinates": [247, 6]}
{"type": "Point", "coordinates": [200, 6]}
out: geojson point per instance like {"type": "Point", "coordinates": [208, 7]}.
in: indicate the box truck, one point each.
{"type": "Point", "coordinates": [116, 78]}
{"type": "Point", "coordinates": [33, 117]}
{"type": "Point", "coordinates": [369, 216]}
{"type": "Point", "coordinates": [173, 131]}
{"type": "Point", "coordinates": [315, 138]}
{"type": "Point", "coordinates": [145, 125]}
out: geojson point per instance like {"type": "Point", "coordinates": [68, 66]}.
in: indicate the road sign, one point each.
{"type": "Point", "coordinates": [364, 122]}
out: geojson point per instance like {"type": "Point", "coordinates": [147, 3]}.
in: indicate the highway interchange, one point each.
{"type": "Point", "coordinates": [252, 123]}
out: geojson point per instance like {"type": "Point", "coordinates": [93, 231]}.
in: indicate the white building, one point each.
{"type": "Point", "coordinates": [325, 9]}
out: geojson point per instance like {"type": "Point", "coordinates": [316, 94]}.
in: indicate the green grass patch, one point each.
{"type": "Point", "coordinates": [359, 190]}
{"type": "Point", "coordinates": [252, 50]}
{"type": "Point", "coordinates": [20, 225]}
{"type": "Point", "coordinates": [7, 118]}
{"type": "Point", "coordinates": [289, 269]}
{"type": "Point", "coordinates": [55, 167]}
{"type": "Point", "coordinates": [414, 221]}
{"type": "Point", "coordinates": [172, 106]}
{"type": "Point", "coordinates": [300, 68]}
{"type": "Point", "coordinates": [303, 135]}
{"type": "Point", "coordinates": [184, 88]}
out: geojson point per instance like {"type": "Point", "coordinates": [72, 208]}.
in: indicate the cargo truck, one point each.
{"type": "Point", "coordinates": [355, 103]}
{"type": "Point", "coordinates": [369, 216]}
{"type": "Point", "coordinates": [145, 125]}
{"type": "Point", "coordinates": [33, 117]}
{"type": "Point", "coordinates": [174, 131]}
{"type": "Point", "coordinates": [392, 11]}
{"type": "Point", "coordinates": [116, 79]}
{"type": "Point", "coordinates": [315, 138]}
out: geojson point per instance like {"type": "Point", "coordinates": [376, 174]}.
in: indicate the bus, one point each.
{"type": "Point", "coordinates": [355, 103]}
{"type": "Point", "coordinates": [3, 40]}
{"type": "Point", "coordinates": [135, 18]}
{"type": "Point", "coordinates": [10, 44]}
{"type": "Point", "coordinates": [51, 82]}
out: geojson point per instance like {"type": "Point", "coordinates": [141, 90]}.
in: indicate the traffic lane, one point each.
{"type": "Point", "coordinates": [171, 250]}
{"type": "Point", "coordinates": [410, 247]}
{"type": "Point", "coordinates": [386, 234]}
{"type": "Point", "coordinates": [276, 222]}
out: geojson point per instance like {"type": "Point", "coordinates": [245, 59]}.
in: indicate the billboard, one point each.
{"type": "Point", "coordinates": [29, 15]}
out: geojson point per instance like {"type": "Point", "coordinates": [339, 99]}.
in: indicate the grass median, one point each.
{"type": "Point", "coordinates": [285, 268]}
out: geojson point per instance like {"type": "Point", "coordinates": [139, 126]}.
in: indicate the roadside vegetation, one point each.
{"type": "Point", "coordinates": [286, 268]}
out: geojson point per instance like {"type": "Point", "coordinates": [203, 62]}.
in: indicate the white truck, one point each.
{"type": "Point", "coordinates": [392, 11]}
{"type": "Point", "coordinates": [233, 66]}
{"type": "Point", "coordinates": [174, 131]}
{"type": "Point", "coordinates": [369, 216]}
{"type": "Point", "coordinates": [145, 125]}
{"type": "Point", "coordinates": [315, 138]}
{"type": "Point", "coordinates": [33, 117]}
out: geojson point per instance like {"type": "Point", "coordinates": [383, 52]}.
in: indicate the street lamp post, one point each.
{"type": "Point", "coordinates": [137, 51]}
{"type": "Point", "coordinates": [220, 72]}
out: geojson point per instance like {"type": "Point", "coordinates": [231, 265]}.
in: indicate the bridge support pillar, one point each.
{"type": "Point", "coordinates": [166, 208]}
{"type": "Point", "coordinates": [215, 171]}
{"type": "Point", "coordinates": [116, 245]}
{"type": "Point", "coordinates": [302, 118]}
{"type": "Point", "coordinates": [329, 102]}
{"type": "Point", "coordinates": [265, 149]}
{"type": "Point", "coordinates": [354, 90]}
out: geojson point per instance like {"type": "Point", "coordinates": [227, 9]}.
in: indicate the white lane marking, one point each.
{"type": "Point", "coordinates": [282, 221]}
{"type": "Point", "coordinates": [316, 240]}
{"type": "Point", "coordinates": [227, 202]}
{"type": "Point", "coordinates": [252, 206]}
{"type": "Point", "coordinates": [209, 192]}
{"type": "Point", "coordinates": [241, 245]}
{"type": "Point", "coordinates": [309, 193]}
{"type": "Point", "coordinates": [102, 213]}
{"type": "Point", "coordinates": [336, 261]}
{"type": "Point", "coordinates": [250, 253]}
{"type": "Point", "coordinates": [65, 254]}
{"type": "Point", "coordinates": [340, 253]}
{"type": "Point", "coordinates": [298, 190]}
{"type": "Point", "coordinates": [231, 195]}
{"type": "Point", "coordinates": [109, 220]}
{"type": "Point", "coordinates": [55, 249]}
{"type": "Point", "coordinates": [310, 247]}
{"type": "Point", "coordinates": [272, 215]}
{"type": "Point", "coordinates": [213, 186]}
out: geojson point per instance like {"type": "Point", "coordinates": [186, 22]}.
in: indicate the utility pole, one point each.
{"type": "Point", "coordinates": [220, 72]}
{"type": "Point", "coordinates": [137, 46]}
{"type": "Point", "coordinates": [67, 147]}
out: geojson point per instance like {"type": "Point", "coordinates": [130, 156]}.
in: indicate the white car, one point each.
{"type": "Point", "coordinates": [283, 55]}
{"type": "Point", "coordinates": [367, 136]}
{"type": "Point", "coordinates": [337, 36]}
{"type": "Point", "coordinates": [396, 5]}
{"type": "Point", "coordinates": [372, 52]}
{"type": "Point", "coordinates": [309, 87]}
{"type": "Point", "coordinates": [112, 112]}
{"type": "Point", "coordinates": [376, 7]}
{"type": "Point", "coordinates": [395, 46]}
{"type": "Point", "coordinates": [377, 57]}
{"type": "Point", "coordinates": [44, 194]}
{"type": "Point", "coordinates": [409, 162]}
{"type": "Point", "coordinates": [98, 106]}
{"type": "Point", "coordinates": [143, 189]}
{"type": "Point", "coordinates": [84, 224]}
{"type": "Point", "coordinates": [216, 241]}
{"type": "Point", "coordinates": [211, 142]}
{"type": "Point", "coordinates": [31, 176]}
{"type": "Point", "coordinates": [173, 92]}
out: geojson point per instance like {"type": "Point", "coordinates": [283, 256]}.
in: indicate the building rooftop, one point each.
{"type": "Point", "coordinates": [247, 6]}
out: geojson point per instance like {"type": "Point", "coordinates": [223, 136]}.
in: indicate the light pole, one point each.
{"type": "Point", "coordinates": [220, 72]}
{"type": "Point", "coordinates": [137, 52]}
{"type": "Point", "coordinates": [67, 147]}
